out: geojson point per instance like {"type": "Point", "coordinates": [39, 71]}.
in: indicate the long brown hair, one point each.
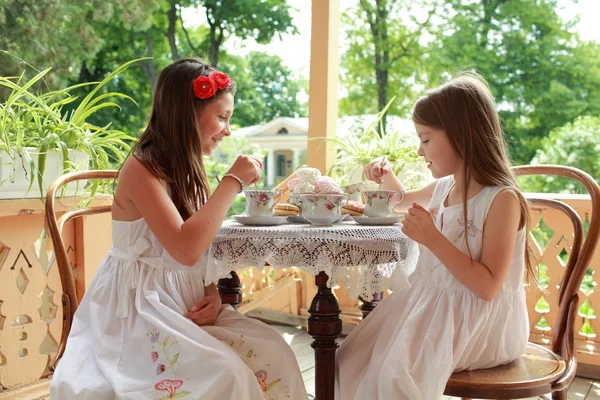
{"type": "Point", "coordinates": [170, 146]}
{"type": "Point", "coordinates": [465, 109]}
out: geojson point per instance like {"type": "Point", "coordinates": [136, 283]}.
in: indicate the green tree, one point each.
{"type": "Point", "coordinates": [61, 33]}
{"type": "Point", "coordinates": [121, 41]}
{"type": "Point", "coordinates": [384, 55]}
{"type": "Point", "coordinates": [576, 144]}
{"type": "Point", "coordinates": [260, 20]}
{"type": "Point", "coordinates": [266, 89]}
{"type": "Point", "coordinates": [541, 73]}
{"type": "Point", "coordinates": [109, 35]}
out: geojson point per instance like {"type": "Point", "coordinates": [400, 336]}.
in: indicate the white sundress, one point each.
{"type": "Point", "coordinates": [408, 347]}
{"type": "Point", "coordinates": [129, 339]}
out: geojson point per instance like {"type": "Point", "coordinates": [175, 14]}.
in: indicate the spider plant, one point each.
{"type": "Point", "coordinates": [29, 119]}
{"type": "Point", "coordinates": [356, 150]}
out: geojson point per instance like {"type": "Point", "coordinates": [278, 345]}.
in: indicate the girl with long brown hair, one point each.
{"type": "Point", "coordinates": [465, 307]}
{"type": "Point", "coordinates": [148, 327]}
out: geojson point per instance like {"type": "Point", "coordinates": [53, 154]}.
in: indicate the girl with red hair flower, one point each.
{"type": "Point", "coordinates": [148, 326]}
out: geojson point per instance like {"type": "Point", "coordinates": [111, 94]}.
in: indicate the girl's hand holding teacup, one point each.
{"type": "Point", "coordinates": [376, 169]}
{"type": "Point", "coordinates": [419, 226]}
{"type": "Point", "coordinates": [247, 168]}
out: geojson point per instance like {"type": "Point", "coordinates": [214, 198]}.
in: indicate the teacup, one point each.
{"type": "Point", "coordinates": [260, 203]}
{"type": "Point", "coordinates": [378, 203]}
{"type": "Point", "coordinates": [321, 209]}
{"type": "Point", "coordinates": [295, 200]}
{"type": "Point", "coordinates": [354, 190]}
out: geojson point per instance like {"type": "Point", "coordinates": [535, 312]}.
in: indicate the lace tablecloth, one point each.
{"type": "Point", "coordinates": [367, 259]}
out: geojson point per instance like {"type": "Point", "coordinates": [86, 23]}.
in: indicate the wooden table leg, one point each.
{"type": "Point", "coordinates": [325, 326]}
{"type": "Point", "coordinates": [367, 306]}
{"type": "Point", "coordinates": [230, 290]}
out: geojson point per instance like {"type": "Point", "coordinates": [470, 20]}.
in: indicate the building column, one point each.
{"type": "Point", "coordinates": [295, 153]}
{"type": "Point", "coordinates": [323, 84]}
{"type": "Point", "coordinates": [271, 168]}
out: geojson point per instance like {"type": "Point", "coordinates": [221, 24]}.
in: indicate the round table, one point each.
{"type": "Point", "coordinates": [366, 259]}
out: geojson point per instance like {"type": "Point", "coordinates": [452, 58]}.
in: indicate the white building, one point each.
{"type": "Point", "coordinates": [285, 139]}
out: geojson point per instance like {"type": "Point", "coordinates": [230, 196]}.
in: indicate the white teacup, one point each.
{"type": "Point", "coordinates": [260, 203]}
{"type": "Point", "coordinates": [354, 190]}
{"type": "Point", "coordinates": [295, 200]}
{"type": "Point", "coordinates": [378, 203]}
{"type": "Point", "coordinates": [320, 208]}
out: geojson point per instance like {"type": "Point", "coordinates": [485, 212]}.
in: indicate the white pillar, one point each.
{"type": "Point", "coordinates": [295, 153]}
{"type": "Point", "coordinates": [271, 168]}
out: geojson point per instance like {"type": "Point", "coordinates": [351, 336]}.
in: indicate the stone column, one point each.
{"type": "Point", "coordinates": [271, 168]}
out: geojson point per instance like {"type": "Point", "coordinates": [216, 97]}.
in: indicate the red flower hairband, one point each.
{"type": "Point", "coordinates": [206, 86]}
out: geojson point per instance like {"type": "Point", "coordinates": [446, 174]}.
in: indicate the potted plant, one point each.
{"type": "Point", "coordinates": [356, 150]}
{"type": "Point", "coordinates": [39, 141]}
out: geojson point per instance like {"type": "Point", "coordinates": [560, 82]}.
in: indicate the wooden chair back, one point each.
{"type": "Point", "coordinates": [539, 371]}
{"type": "Point", "coordinates": [55, 226]}
{"type": "Point", "coordinates": [578, 263]}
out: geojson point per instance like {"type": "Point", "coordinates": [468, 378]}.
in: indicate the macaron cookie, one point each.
{"type": "Point", "coordinates": [353, 208]}
{"type": "Point", "coordinates": [286, 209]}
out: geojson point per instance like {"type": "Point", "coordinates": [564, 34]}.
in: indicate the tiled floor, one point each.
{"type": "Point", "coordinates": [299, 340]}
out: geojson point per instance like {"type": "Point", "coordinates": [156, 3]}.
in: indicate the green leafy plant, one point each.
{"type": "Point", "coordinates": [29, 119]}
{"type": "Point", "coordinates": [356, 150]}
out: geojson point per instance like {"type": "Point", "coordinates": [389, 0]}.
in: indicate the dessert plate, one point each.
{"type": "Point", "coordinates": [391, 220]}
{"type": "Point", "coordinates": [260, 221]}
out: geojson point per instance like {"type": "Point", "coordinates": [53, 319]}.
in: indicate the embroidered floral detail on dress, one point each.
{"type": "Point", "coordinates": [163, 353]}
{"type": "Point", "coordinates": [270, 391]}
{"type": "Point", "coordinates": [170, 386]}
{"type": "Point", "coordinates": [471, 229]}
{"type": "Point", "coordinates": [434, 213]}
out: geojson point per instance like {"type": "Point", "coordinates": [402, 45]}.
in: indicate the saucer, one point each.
{"type": "Point", "coordinates": [260, 221]}
{"type": "Point", "coordinates": [296, 219]}
{"type": "Point", "coordinates": [324, 220]}
{"type": "Point", "coordinates": [345, 217]}
{"type": "Point", "coordinates": [391, 220]}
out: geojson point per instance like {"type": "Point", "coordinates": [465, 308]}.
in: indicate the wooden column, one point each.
{"type": "Point", "coordinates": [323, 85]}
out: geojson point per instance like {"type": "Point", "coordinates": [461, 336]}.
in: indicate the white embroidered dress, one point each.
{"type": "Point", "coordinates": [129, 339]}
{"type": "Point", "coordinates": [408, 347]}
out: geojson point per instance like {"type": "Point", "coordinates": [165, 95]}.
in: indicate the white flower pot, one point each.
{"type": "Point", "coordinates": [15, 175]}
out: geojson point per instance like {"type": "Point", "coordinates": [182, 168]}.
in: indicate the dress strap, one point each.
{"type": "Point", "coordinates": [131, 275]}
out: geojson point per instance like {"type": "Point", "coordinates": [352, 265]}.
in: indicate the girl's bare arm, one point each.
{"type": "Point", "coordinates": [185, 241]}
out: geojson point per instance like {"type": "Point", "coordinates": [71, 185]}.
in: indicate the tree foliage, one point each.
{"type": "Point", "coordinates": [110, 32]}
{"type": "Point", "coordinates": [576, 144]}
{"type": "Point", "coordinates": [260, 20]}
{"type": "Point", "coordinates": [62, 33]}
{"type": "Point", "coordinates": [541, 73]}
{"type": "Point", "coordinates": [384, 56]}
{"type": "Point", "coordinates": [266, 89]}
